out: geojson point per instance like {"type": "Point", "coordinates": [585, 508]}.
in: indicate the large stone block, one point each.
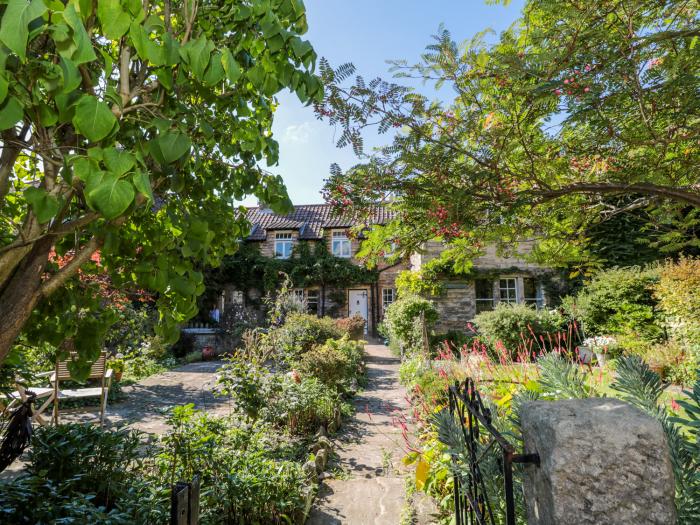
{"type": "Point", "coordinates": [602, 461]}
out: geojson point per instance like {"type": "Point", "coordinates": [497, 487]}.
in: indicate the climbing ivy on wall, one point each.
{"type": "Point", "coordinates": [311, 264]}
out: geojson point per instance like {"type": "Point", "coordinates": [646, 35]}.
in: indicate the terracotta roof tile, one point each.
{"type": "Point", "coordinates": [308, 219]}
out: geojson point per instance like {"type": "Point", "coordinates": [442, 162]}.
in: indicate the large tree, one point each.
{"type": "Point", "coordinates": [579, 106]}
{"type": "Point", "coordinates": [128, 128]}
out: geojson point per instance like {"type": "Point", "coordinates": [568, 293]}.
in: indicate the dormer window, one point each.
{"type": "Point", "coordinates": [340, 244]}
{"type": "Point", "coordinates": [283, 245]}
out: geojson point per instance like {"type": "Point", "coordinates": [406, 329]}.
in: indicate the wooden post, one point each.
{"type": "Point", "coordinates": [179, 504]}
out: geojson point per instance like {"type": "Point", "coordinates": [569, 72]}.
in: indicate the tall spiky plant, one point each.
{"type": "Point", "coordinates": [642, 387]}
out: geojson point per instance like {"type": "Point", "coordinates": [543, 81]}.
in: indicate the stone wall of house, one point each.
{"type": "Point", "coordinates": [456, 306]}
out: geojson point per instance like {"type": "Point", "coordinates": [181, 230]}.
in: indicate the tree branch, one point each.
{"type": "Point", "coordinates": [70, 269]}
{"type": "Point", "coordinates": [685, 195]}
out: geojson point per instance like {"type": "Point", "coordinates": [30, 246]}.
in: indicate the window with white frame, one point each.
{"type": "Point", "coordinates": [388, 297]}
{"type": "Point", "coordinates": [312, 301]}
{"type": "Point", "coordinates": [340, 244]}
{"type": "Point", "coordinates": [298, 295]}
{"type": "Point", "coordinates": [483, 295]}
{"type": "Point", "coordinates": [532, 290]}
{"type": "Point", "coordinates": [508, 288]}
{"type": "Point", "coordinates": [283, 245]}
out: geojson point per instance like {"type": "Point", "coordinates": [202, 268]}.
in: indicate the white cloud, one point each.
{"type": "Point", "coordinates": [298, 133]}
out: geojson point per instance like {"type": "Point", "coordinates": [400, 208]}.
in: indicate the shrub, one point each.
{"type": "Point", "coordinates": [334, 363]}
{"type": "Point", "coordinates": [402, 321]}
{"type": "Point", "coordinates": [302, 406]}
{"type": "Point", "coordinates": [618, 301]}
{"type": "Point", "coordinates": [301, 332]}
{"type": "Point", "coordinates": [89, 459]}
{"type": "Point", "coordinates": [247, 383]}
{"type": "Point", "coordinates": [514, 324]}
{"type": "Point", "coordinates": [244, 484]}
{"type": "Point", "coordinates": [677, 293]}
{"type": "Point", "coordinates": [354, 326]}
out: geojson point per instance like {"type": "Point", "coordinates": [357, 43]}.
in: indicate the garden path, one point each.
{"type": "Point", "coordinates": [369, 479]}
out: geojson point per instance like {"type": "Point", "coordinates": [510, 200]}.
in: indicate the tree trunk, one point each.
{"type": "Point", "coordinates": [21, 295]}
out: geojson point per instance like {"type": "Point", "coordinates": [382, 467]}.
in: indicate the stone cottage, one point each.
{"type": "Point", "coordinates": [499, 279]}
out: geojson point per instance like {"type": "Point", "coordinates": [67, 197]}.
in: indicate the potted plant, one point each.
{"type": "Point", "coordinates": [208, 353]}
{"type": "Point", "coordinates": [599, 346]}
{"type": "Point", "coordinates": [117, 364]}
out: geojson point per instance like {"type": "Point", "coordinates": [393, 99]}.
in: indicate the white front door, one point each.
{"type": "Point", "coordinates": [357, 304]}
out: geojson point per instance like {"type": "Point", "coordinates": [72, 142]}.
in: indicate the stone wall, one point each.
{"type": "Point", "coordinates": [456, 306]}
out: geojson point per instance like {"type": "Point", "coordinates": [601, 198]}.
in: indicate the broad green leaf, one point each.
{"type": "Point", "coordinates": [93, 118]}
{"type": "Point", "coordinates": [4, 84]}
{"type": "Point", "coordinates": [81, 49]}
{"type": "Point", "coordinates": [71, 75]}
{"type": "Point", "coordinates": [112, 196]}
{"type": "Point", "coordinates": [231, 67]}
{"type": "Point", "coordinates": [173, 145]}
{"type": "Point", "coordinates": [45, 206]}
{"type": "Point", "coordinates": [197, 53]}
{"type": "Point", "coordinates": [143, 184]}
{"type": "Point", "coordinates": [47, 115]}
{"type": "Point", "coordinates": [82, 168]}
{"type": "Point", "coordinates": [115, 21]}
{"type": "Point", "coordinates": [118, 162]}
{"type": "Point", "coordinates": [146, 48]}
{"type": "Point", "coordinates": [215, 72]}
{"type": "Point", "coordinates": [11, 113]}
{"type": "Point", "coordinates": [14, 27]}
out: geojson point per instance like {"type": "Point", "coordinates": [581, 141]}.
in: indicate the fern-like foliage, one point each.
{"type": "Point", "coordinates": [642, 387]}
{"type": "Point", "coordinates": [638, 384]}
{"type": "Point", "coordinates": [562, 379]}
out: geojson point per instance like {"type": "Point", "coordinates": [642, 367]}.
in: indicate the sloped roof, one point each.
{"type": "Point", "coordinates": [308, 219]}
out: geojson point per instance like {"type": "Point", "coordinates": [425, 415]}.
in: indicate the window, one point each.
{"type": "Point", "coordinates": [283, 245]}
{"type": "Point", "coordinates": [312, 301]}
{"type": "Point", "coordinates": [340, 244]}
{"type": "Point", "coordinates": [509, 290]}
{"type": "Point", "coordinates": [533, 292]}
{"type": "Point", "coordinates": [484, 295]}
{"type": "Point", "coordinates": [388, 297]}
{"type": "Point", "coordinates": [298, 296]}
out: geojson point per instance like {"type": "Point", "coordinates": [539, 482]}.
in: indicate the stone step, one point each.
{"type": "Point", "coordinates": [359, 501]}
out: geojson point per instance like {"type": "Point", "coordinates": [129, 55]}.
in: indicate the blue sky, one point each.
{"type": "Point", "coordinates": [366, 33]}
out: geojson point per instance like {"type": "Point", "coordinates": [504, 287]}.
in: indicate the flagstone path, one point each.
{"type": "Point", "coordinates": [368, 484]}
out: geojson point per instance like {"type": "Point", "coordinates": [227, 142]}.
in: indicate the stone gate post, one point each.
{"type": "Point", "coordinates": [602, 461]}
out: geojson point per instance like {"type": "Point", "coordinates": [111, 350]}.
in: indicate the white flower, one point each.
{"type": "Point", "coordinates": [601, 341]}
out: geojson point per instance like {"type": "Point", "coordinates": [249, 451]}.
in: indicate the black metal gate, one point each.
{"type": "Point", "coordinates": [472, 504]}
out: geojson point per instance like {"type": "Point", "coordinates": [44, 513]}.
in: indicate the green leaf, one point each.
{"type": "Point", "coordinates": [47, 116]}
{"type": "Point", "coordinates": [71, 75]}
{"type": "Point", "coordinates": [4, 85]}
{"type": "Point", "coordinates": [197, 53]}
{"type": "Point", "coordinates": [146, 48]}
{"type": "Point", "coordinates": [215, 72]}
{"type": "Point", "coordinates": [115, 21]}
{"type": "Point", "coordinates": [14, 28]}
{"type": "Point", "coordinates": [231, 67]}
{"type": "Point", "coordinates": [11, 113]}
{"type": "Point", "coordinates": [80, 51]}
{"type": "Point", "coordinates": [45, 206]}
{"type": "Point", "coordinates": [143, 184]}
{"type": "Point", "coordinates": [173, 145]}
{"type": "Point", "coordinates": [93, 118]}
{"type": "Point", "coordinates": [118, 162]}
{"type": "Point", "coordinates": [112, 196]}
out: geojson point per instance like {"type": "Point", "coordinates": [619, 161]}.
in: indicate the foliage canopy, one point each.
{"type": "Point", "coordinates": [127, 130]}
